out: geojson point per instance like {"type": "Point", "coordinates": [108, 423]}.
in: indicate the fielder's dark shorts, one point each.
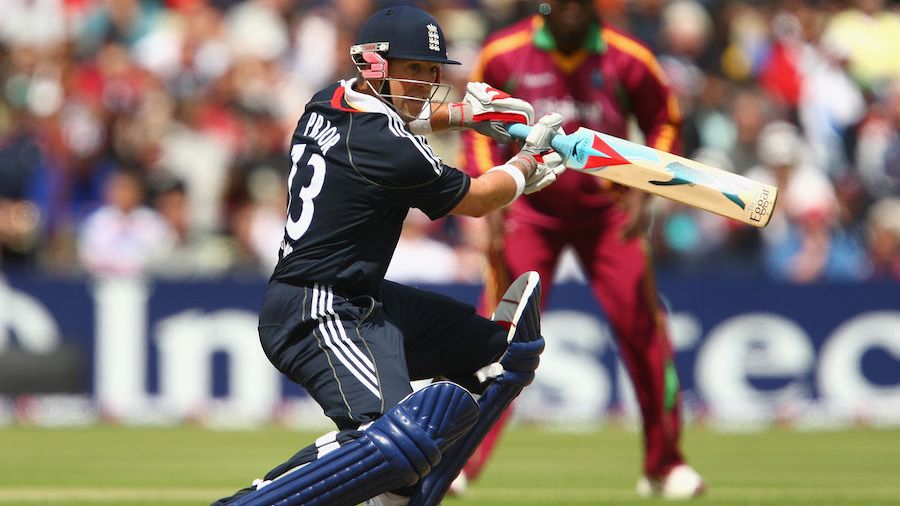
{"type": "Point", "coordinates": [356, 355]}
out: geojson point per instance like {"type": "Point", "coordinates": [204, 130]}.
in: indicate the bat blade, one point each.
{"type": "Point", "coordinates": [664, 174]}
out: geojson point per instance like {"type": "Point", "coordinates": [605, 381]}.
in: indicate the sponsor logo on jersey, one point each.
{"type": "Point", "coordinates": [538, 80]}
{"type": "Point", "coordinates": [584, 113]}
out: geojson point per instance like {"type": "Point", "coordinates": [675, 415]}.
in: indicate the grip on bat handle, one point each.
{"type": "Point", "coordinates": [518, 130]}
{"type": "Point", "coordinates": [563, 144]}
{"type": "Point", "coordinates": [521, 131]}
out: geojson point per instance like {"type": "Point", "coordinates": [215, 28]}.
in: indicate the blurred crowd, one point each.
{"type": "Point", "coordinates": [150, 136]}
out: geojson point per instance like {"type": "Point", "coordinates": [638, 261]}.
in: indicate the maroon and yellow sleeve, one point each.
{"type": "Point", "coordinates": [653, 103]}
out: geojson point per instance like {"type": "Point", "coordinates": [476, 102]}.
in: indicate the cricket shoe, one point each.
{"type": "Point", "coordinates": [388, 499]}
{"type": "Point", "coordinates": [680, 483]}
{"type": "Point", "coordinates": [459, 485]}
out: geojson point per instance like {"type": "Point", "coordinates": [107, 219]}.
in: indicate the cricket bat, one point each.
{"type": "Point", "coordinates": [664, 174]}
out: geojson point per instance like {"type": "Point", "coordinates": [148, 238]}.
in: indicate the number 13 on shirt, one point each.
{"type": "Point", "coordinates": [300, 198]}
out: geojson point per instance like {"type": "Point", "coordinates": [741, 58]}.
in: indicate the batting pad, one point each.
{"type": "Point", "coordinates": [395, 451]}
{"type": "Point", "coordinates": [520, 310]}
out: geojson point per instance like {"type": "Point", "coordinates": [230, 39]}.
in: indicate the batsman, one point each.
{"type": "Point", "coordinates": [329, 320]}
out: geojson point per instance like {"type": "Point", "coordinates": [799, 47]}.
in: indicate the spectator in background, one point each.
{"type": "Point", "coordinates": [709, 124]}
{"type": "Point", "coordinates": [644, 18]}
{"type": "Point", "coordinates": [780, 74]}
{"type": "Point", "coordinates": [750, 111]}
{"type": "Point", "coordinates": [686, 29]}
{"type": "Point", "coordinates": [207, 90]}
{"type": "Point", "coordinates": [123, 237]}
{"type": "Point", "coordinates": [119, 21]}
{"type": "Point", "coordinates": [188, 51]}
{"type": "Point", "coordinates": [804, 242]}
{"type": "Point", "coordinates": [883, 236]}
{"type": "Point", "coordinates": [471, 242]}
{"type": "Point", "coordinates": [41, 24]}
{"type": "Point", "coordinates": [878, 147]}
{"type": "Point", "coordinates": [420, 258]}
{"type": "Point", "coordinates": [258, 221]}
{"type": "Point", "coordinates": [193, 254]}
{"type": "Point", "coordinates": [831, 102]}
{"type": "Point", "coordinates": [23, 179]}
{"type": "Point", "coordinates": [871, 34]}
{"type": "Point", "coordinates": [200, 157]}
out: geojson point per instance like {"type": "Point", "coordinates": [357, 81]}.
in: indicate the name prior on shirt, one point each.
{"type": "Point", "coordinates": [322, 131]}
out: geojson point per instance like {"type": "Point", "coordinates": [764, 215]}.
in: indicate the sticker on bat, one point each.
{"type": "Point", "coordinates": [761, 208]}
{"type": "Point", "coordinates": [685, 175]}
{"type": "Point", "coordinates": [598, 154]}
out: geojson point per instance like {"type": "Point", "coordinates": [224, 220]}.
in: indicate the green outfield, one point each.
{"type": "Point", "coordinates": [183, 466]}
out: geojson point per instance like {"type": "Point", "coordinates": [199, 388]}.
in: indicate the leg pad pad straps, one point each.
{"type": "Point", "coordinates": [395, 451]}
{"type": "Point", "coordinates": [520, 308]}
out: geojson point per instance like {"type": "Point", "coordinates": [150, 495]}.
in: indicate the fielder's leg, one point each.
{"type": "Point", "coordinates": [622, 279]}
{"type": "Point", "coordinates": [396, 451]}
{"type": "Point", "coordinates": [520, 310]}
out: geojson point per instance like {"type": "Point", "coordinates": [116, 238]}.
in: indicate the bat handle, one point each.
{"type": "Point", "coordinates": [565, 145]}
{"type": "Point", "coordinates": [518, 130]}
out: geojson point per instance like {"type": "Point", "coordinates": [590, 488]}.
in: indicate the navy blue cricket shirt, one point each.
{"type": "Point", "coordinates": [356, 170]}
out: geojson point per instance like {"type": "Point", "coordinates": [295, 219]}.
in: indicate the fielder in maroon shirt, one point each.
{"type": "Point", "coordinates": [597, 77]}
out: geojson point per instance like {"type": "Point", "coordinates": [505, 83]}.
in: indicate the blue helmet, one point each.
{"type": "Point", "coordinates": [403, 32]}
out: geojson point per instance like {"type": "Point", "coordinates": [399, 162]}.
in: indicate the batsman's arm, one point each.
{"type": "Point", "coordinates": [495, 188]}
{"type": "Point", "coordinates": [534, 167]}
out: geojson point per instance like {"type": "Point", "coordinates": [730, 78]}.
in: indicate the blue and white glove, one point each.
{"type": "Point", "coordinates": [537, 148]}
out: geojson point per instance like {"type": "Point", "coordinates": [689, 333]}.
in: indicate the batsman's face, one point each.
{"type": "Point", "coordinates": [413, 79]}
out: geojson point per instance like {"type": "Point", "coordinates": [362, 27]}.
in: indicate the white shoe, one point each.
{"type": "Point", "coordinates": [388, 499]}
{"type": "Point", "coordinates": [459, 485]}
{"type": "Point", "coordinates": [682, 482]}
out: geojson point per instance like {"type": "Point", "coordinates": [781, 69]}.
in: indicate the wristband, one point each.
{"type": "Point", "coordinates": [517, 176]}
{"type": "Point", "coordinates": [457, 114]}
{"type": "Point", "coordinates": [420, 126]}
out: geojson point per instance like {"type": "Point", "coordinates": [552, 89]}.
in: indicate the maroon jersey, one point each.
{"type": "Point", "coordinates": [612, 78]}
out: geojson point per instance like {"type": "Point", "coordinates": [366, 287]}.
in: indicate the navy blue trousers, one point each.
{"type": "Point", "coordinates": [356, 355]}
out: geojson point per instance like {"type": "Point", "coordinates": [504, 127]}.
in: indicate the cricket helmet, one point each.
{"type": "Point", "coordinates": [403, 32]}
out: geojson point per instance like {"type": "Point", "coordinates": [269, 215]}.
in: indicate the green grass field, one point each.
{"type": "Point", "coordinates": [190, 466]}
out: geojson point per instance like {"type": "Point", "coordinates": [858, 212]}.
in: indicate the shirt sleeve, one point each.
{"type": "Point", "coordinates": [416, 183]}
{"type": "Point", "coordinates": [439, 196]}
{"type": "Point", "coordinates": [654, 104]}
{"type": "Point", "coordinates": [410, 174]}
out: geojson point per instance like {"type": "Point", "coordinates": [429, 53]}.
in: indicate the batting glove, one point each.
{"type": "Point", "coordinates": [549, 163]}
{"type": "Point", "coordinates": [485, 109]}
